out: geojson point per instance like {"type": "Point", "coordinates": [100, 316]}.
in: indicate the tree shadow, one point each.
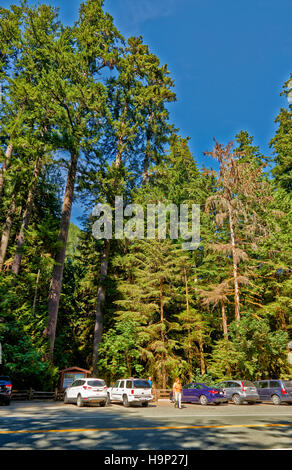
{"type": "Point", "coordinates": [117, 428]}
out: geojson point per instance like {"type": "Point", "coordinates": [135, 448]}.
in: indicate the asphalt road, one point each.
{"type": "Point", "coordinates": [41, 425]}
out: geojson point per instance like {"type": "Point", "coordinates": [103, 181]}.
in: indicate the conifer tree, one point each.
{"type": "Point", "coordinates": [79, 97]}
{"type": "Point", "coordinates": [281, 144]}
{"type": "Point", "coordinates": [241, 197]}
{"type": "Point", "coordinates": [10, 43]}
{"type": "Point", "coordinates": [141, 80]}
{"type": "Point", "coordinates": [147, 297]}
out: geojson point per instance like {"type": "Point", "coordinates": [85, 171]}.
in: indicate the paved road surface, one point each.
{"type": "Point", "coordinates": [40, 425]}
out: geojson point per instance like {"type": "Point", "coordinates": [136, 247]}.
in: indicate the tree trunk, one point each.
{"type": "Point", "coordinates": [190, 356]}
{"type": "Point", "coordinates": [163, 369]}
{"type": "Point", "coordinates": [201, 347]}
{"type": "Point", "coordinates": [8, 155]}
{"type": "Point", "coordinates": [36, 291]}
{"type": "Point", "coordinates": [128, 361]}
{"type": "Point", "coordinates": [224, 321]}
{"type": "Point", "coordinates": [57, 276]}
{"type": "Point", "coordinates": [9, 149]}
{"type": "Point", "coordinates": [147, 156]}
{"type": "Point", "coordinates": [145, 170]}
{"type": "Point", "coordinates": [119, 155]}
{"type": "Point", "coordinates": [6, 232]}
{"type": "Point", "coordinates": [235, 269]}
{"type": "Point", "coordinates": [25, 221]}
{"type": "Point", "coordinates": [98, 328]}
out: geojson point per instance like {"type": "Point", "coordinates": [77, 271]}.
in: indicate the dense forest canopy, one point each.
{"type": "Point", "coordinates": [84, 117]}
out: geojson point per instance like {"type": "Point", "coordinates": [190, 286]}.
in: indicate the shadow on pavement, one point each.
{"type": "Point", "coordinates": [117, 428]}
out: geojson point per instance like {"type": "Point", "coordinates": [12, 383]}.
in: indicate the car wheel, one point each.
{"type": "Point", "coordinates": [79, 401]}
{"type": "Point", "coordinates": [7, 403]}
{"type": "Point", "coordinates": [203, 400]}
{"type": "Point", "coordinates": [236, 399]}
{"type": "Point", "coordinates": [102, 403]}
{"type": "Point", "coordinates": [125, 401]}
{"type": "Point", "coordinates": [276, 399]}
{"type": "Point", "coordinates": [145, 404]}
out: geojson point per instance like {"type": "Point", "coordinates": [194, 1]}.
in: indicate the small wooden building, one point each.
{"type": "Point", "coordinates": [68, 376]}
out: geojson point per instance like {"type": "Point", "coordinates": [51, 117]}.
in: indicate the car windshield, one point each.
{"type": "Point", "coordinates": [287, 383]}
{"type": "Point", "coordinates": [96, 383]}
{"type": "Point", "coordinates": [141, 384]}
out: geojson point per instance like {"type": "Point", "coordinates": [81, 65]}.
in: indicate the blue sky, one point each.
{"type": "Point", "coordinates": [229, 60]}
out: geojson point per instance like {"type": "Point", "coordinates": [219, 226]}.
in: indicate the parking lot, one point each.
{"type": "Point", "coordinates": [54, 425]}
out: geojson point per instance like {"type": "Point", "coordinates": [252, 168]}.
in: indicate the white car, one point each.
{"type": "Point", "coordinates": [84, 391]}
{"type": "Point", "coordinates": [129, 391]}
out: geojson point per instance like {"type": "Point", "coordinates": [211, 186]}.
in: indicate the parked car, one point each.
{"type": "Point", "coordinates": [128, 391]}
{"type": "Point", "coordinates": [275, 390]}
{"type": "Point", "coordinates": [5, 390]}
{"type": "Point", "coordinates": [201, 393]}
{"type": "Point", "coordinates": [89, 390]}
{"type": "Point", "coordinates": [240, 391]}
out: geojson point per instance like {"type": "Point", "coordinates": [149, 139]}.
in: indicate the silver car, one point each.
{"type": "Point", "coordinates": [239, 391]}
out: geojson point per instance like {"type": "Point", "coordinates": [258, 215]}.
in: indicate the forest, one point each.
{"type": "Point", "coordinates": [84, 118]}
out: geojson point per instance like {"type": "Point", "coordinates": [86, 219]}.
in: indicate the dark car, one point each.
{"type": "Point", "coordinates": [201, 393]}
{"type": "Point", "coordinates": [275, 390]}
{"type": "Point", "coordinates": [5, 390]}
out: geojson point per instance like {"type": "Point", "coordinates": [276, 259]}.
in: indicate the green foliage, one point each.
{"type": "Point", "coordinates": [22, 359]}
{"type": "Point", "coordinates": [119, 352]}
{"type": "Point", "coordinates": [281, 144]}
{"type": "Point", "coordinates": [252, 351]}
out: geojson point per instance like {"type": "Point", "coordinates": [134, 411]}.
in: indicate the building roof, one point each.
{"type": "Point", "coordinates": [74, 369]}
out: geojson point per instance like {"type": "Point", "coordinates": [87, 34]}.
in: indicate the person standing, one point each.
{"type": "Point", "coordinates": [177, 390]}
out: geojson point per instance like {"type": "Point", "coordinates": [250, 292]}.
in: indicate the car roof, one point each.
{"type": "Point", "coordinates": [198, 383]}
{"type": "Point", "coordinates": [265, 380]}
{"type": "Point", "coordinates": [232, 380]}
{"type": "Point", "coordinates": [87, 378]}
{"type": "Point", "coordinates": [133, 378]}
{"type": "Point", "coordinates": [93, 378]}
{"type": "Point", "coordinates": [239, 380]}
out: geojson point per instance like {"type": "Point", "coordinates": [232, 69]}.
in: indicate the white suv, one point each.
{"type": "Point", "coordinates": [83, 391]}
{"type": "Point", "coordinates": [129, 391]}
